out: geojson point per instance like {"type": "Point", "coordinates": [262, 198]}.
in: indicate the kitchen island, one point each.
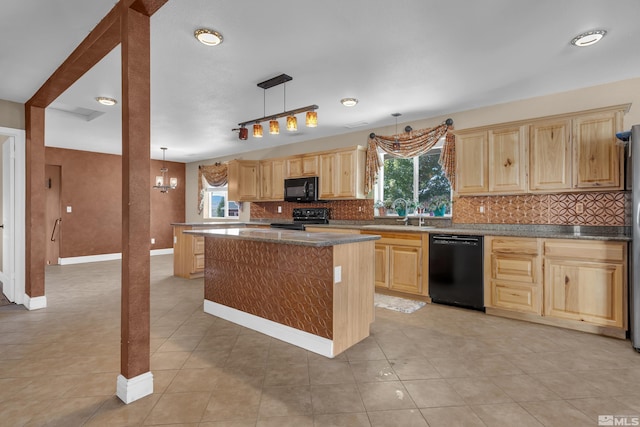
{"type": "Point", "coordinates": [313, 290]}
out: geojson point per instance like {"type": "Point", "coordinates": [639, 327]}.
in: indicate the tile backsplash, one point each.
{"type": "Point", "coordinates": [593, 208]}
{"type": "Point", "coordinates": [354, 210]}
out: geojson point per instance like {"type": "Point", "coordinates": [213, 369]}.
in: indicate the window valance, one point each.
{"type": "Point", "coordinates": [215, 175]}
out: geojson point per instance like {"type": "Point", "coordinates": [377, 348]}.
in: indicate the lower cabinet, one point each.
{"type": "Point", "coordinates": [401, 262]}
{"type": "Point", "coordinates": [513, 278]}
{"type": "Point", "coordinates": [188, 253]}
{"type": "Point", "coordinates": [586, 281]}
{"type": "Point", "coordinates": [578, 284]}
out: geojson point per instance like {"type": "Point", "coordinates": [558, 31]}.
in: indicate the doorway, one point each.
{"type": "Point", "coordinates": [53, 217]}
{"type": "Point", "coordinates": [12, 214]}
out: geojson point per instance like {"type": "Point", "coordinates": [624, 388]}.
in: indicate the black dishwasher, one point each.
{"type": "Point", "coordinates": [455, 270]}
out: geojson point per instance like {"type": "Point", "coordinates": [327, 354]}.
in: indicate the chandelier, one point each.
{"type": "Point", "coordinates": [311, 117]}
{"type": "Point", "coordinates": [161, 180]}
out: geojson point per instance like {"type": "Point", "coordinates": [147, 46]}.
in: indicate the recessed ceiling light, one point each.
{"type": "Point", "coordinates": [208, 37]}
{"type": "Point", "coordinates": [106, 101]}
{"type": "Point", "coordinates": [589, 38]}
{"type": "Point", "coordinates": [348, 102]}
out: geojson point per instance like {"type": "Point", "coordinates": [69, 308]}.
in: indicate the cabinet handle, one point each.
{"type": "Point", "coordinates": [507, 163]}
{"type": "Point", "coordinates": [566, 280]}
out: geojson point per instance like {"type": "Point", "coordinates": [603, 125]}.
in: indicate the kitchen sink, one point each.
{"type": "Point", "coordinates": [397, 227]}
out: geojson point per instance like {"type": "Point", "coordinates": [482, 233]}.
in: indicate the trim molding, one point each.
{"type": "Point", "coordinates": [314, 343]}
{"type": "Point", "coordinates": [107, 257]}
{"type": "Point", "coordinates": [35, 303]}
{"type": "Point", "coordinates": [132, 389]}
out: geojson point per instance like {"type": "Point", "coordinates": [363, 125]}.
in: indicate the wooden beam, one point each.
{"type": "Point", "coordinates": [146, 7]}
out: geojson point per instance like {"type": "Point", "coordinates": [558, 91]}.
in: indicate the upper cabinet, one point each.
{"type": "Point", "coordinates": [597, 156]}
{"type": "Point", "coordinates": [342, 174]}
{"type": "Point", "coordinates": [243, 180]}
{"type": "Point", "coordinates": [550, 161]}
{"type": "Point", "coordinates": [572, 152]}
{"type": "Point", "coordinates": [271, 177]}
{"type": "Point", "coordinates": [493, 160]}
{"type": "Point", "coordinates": [299, 166]}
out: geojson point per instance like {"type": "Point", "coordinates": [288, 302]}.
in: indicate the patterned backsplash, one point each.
{"type": "Point", "coordinates": [595, 208]}
{"type": "Point", "coordinates": [353, 210]}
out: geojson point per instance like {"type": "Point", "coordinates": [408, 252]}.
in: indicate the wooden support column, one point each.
{"type": "Point", "coordinates": [35, 209]}
{"type": "Point", "coordinates": [135, 379]}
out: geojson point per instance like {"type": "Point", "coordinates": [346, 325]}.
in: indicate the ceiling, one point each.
{"type": "Point", "coordinates": [421, 58]}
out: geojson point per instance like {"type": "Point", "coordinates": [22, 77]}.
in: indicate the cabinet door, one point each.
{"type": "Point", "coordinates": [508, 160]}
{"type": "Point", "coordinates": [243, 180]}
{"type": "Point", "coordinates": [266, 180]}
{"type": "Point", "coordinates": [346, 174]}
{"type": "Point", "coordinates": [328, 166]}
{"type": "Point", "coordinates": [294, 167]}
{"type": "Point", "coordinates": [585, 291]}
{"type": "Point", "coordinates": [550, 161]}
{"type": "Point", "coordinates": [277, 179]}
{"type": "Point", "coordinates": [382, 266]}
{"type": "Point", "coordinates": [405, 269]}
{"type": "Point", "coordinates": [471, 163]}
{"type": "Point", "coordinates": [597, 156]}
{"type": "Point", "coordinates": [310, 165]}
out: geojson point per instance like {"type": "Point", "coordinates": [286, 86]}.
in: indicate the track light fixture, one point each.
{"type": "Point", "coordinates": [311, 118]}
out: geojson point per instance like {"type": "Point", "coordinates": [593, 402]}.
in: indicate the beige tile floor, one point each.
{"type": "Point", "coordinates": [439, 366]}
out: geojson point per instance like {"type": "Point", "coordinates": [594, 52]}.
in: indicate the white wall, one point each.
{"type": "Point", "coordinates": [622, 92]}
{"type": "Point", "coordinates": [3, 138]}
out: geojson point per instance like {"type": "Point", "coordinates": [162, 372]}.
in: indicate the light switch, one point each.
{"type": "Point", "coordinates": [68, 209]}
{"type": "Point", "coordinates": [279, 209]}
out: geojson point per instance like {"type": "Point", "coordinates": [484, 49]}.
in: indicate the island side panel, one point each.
{"type": "Point", "coordinates": [288, 284]}
{"type": "Point", "coordinates": [353, 295]}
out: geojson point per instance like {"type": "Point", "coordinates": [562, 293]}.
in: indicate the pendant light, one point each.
{"type": "Point", "coordinates": [161, 180]}
{"type": "Point", "coordinates": [274, 127]}
{"type": "Point", "coordinates": [311, 119]}
{"type": "Point", "coordinates": [257, 130]}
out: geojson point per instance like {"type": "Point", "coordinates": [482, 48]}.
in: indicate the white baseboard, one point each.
{"type": "Point", "coordinates": [314, 343]}
{"type": "Point", "coordinates": [107, 257]}
{"type": "Point", "coordinates": [35, 303]}
{"type": "Point", "coordinates": [132, 389]}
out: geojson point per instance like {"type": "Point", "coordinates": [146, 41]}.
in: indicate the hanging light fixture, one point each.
{"type": "Point", "coordinates": [161, 182]}
{"type": "Point", "coordinates": [274, 127]}
{"type": "Point", "coordinates": [396, 142]}
{"type": "Point", "coordinates": [311, 119]}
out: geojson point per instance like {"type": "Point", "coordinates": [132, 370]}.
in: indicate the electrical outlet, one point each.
{"type": "Point", "coordinates": [481, 209]}
{"type": "Point", "coordinates": [69, 209]}
{"type": "Point", "coordinates": [579, 207]}
{"type": "Point", "coordinates": [279, 209]}
{"type": "Point", "coordinates": [153, 241]}
{"type": "Point", "coordinates": [359, 208]}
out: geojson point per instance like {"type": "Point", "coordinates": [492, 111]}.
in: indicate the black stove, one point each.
{"type": "Point", "coordinates": [304, 216]}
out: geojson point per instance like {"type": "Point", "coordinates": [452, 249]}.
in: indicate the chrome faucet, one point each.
{"type": "Point", "coordinates": [406, 206]}
{"type": "Point", "coordinates": [420, 220]}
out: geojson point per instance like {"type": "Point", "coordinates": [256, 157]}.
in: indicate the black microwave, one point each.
{"type": "Point", "coordinates": [301, 189]}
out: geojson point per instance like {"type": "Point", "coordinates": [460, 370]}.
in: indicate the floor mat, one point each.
{"type": "Point", "coordinates": [397, 304]}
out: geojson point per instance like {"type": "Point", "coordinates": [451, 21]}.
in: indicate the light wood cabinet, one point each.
{"type": "Point", "coordinates": [513, 274]}
{"type": "Point", "coordinates": [597, 156]}
{"type": "Point", "coordinates": [401, 262]}
{"type": "Point", "coordinates": [508, 159]}
{"type": "Point", "coordinates": [243, 176]}
{"type": "Point", "coordinates": [550, 161]}
{"type": "Point", "coordinates": [472, 153]}
{"type": "Point", "coordinates": [271, 177]}
{"type": "Point", "coordinates": [299, 166]}
{"type": "Point", "coordinates": [188, 253]}
{"type": "Point", "coordinates": [342, 174]}
{"type": "Point", "coordinates": [586, 282]}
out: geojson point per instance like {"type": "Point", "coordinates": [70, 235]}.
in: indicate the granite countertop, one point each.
{"type": "Point", "coordinates": [219, 224]}
{"type": "Point", "coordinates": [539, 231]}
{"type": "Point", "coordinates": [292, 237]}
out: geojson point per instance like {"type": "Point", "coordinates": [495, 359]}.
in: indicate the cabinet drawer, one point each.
{"type": "Point", "coordinates": [198, 245]}
{"type": "Point", "coordinates": [405, 239]}
{"type": "Point", "coordinates": [514, 267]}
{"type": "Point", "coordinates": [515, 297]}
{"type": "Point", "coordinates": [198, 263]}
{"type": "Point", "coordinates": [589, 251]}
{"type": "Point", "coordinates": [514, 245]}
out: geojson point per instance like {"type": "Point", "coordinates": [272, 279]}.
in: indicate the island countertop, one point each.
{"type": "Point", "coordinates": [292, 237]}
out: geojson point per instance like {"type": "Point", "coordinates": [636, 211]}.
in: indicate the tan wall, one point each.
{"type": "Point", "coordinates": [622, 92]}
{"type": "Point", "coordinates": [11, 115]}
{"type": "Point", "coordinates": [92, 186]}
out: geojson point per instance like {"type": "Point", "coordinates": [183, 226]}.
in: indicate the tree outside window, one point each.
{"type": "Point", "coordinates": [420, 180]}
{"type": "Point", "coordinates": [217, 205]}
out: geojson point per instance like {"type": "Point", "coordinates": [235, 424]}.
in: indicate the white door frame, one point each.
{"type": "Point", "coordinates": [14, 261]}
